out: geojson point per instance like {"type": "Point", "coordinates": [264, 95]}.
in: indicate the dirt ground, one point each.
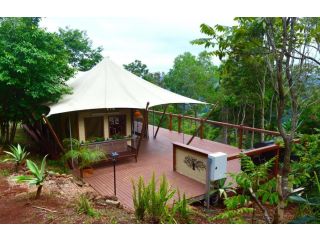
{"type": "Point", "coordinates": [57, 203]}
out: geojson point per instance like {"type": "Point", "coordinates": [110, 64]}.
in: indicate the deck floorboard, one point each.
{"type": "Point", "coordinates": [155, 156]}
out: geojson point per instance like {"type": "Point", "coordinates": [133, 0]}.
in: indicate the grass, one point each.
{"type": "Point", "coordinates": [84, 206]}
{"type": "Point", "coordinates": [5, 172]}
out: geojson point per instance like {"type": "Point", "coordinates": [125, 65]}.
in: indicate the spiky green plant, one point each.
{"type": "Point", "coordinates": [84, 205]}
{"type": "Point", "coordinates": [17, 154]}
{"type": "Point", "coordinates": [38, 175]}
{"type": "Point", "coordinates": [181, 208]}
{"type": "Point", "coordinates": [158, 199]}
{"type": "Point", "coordinates": [140, 198]}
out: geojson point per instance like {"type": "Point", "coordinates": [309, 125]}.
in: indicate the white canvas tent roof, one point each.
{"type": "Point", "coordinates": [108, 85]}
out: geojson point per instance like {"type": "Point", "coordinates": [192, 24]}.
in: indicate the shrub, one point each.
{"type": "Point", "coordinates": [152, 201]}
{"type": "Point", "coordinates": [233, 215]}
{"type": "Point", "coordinates": [140, 198]}
{"type": "Point", "coordinates": [85, 156]}
{"type": "Point", "coordinates": [157, 206]}
{"type": "Point", "coordinates": [38, 175]}
{"type": "Point", "coordinates": [17, 155]}
{"type": "Point", "coordinates": [309, 205]}
{"type": "Point", "coordinates": [181, 208]}
{"type": "Point", "coordinates": [84, 205]}
{"type": "Point", "coordinates": [256, 187]}
{"type": "Point", "coordinates": [4, 172]}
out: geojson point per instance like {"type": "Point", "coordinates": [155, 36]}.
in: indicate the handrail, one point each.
{"type": "Point", "coordinates": [221, 124]}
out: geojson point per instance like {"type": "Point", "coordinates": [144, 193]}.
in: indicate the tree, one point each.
{"type": "Point", "coordinates": [290, 41]}
{"type": "Point", "coordinates": [192, 76]}
{"type": "Point", "coordinates": [79, 45]}
{"type": "Point", "coordinates": [288, 47]}
{"type": "Point", "coordinates": [141, 70]}
{"type": "Point", "coordinates": [34, 65]}
{"type": "Point", "coordinates": [244, 70]}
{"type": "Point", "coordinates": [138, 68]}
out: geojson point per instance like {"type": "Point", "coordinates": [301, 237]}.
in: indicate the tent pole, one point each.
{"type": "Point", "coordinates": [46, 121]}
{"type": "Point", "coordinates": [184, 110]}
{"type": "Point", "coordinates": [153, 122]}
{"type": "Point", "coordinates": [161, 119]}
{"type": "Point", "coordinates": [204, 120]}
{"type": "Point", "coordinates": [70, 136]}
{"type": "Point", "coordinates": [143, 129]}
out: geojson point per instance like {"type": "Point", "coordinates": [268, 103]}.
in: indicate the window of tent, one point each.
{"type": "Point", "coordinates": [117, 125]}
{"type": "Point", "coordinates": [93, 128]}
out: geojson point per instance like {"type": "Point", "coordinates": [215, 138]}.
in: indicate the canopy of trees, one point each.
{"type": "Point", "coordinates": [34, 67]}
{"type": "Point", "coordinates": [141, 70]}
{"type": "Point", "coordinates": [270, 58]}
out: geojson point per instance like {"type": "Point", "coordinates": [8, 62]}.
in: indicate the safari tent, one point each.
{"type": "Point", "coordinates": [105, 102]}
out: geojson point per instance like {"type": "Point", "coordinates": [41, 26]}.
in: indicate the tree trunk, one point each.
{"type": "Point", "coordinates": [12, 132]}
{"type": "Point", "coordinates": [271, 110]}
{"type": "Point", "coordinates": [225, 129]}
{"type": "Point", "coordinates": [38, 191]}
{"type": "Point", "coordinates": [253, 120]}
{"type": "Point", "coordinates": [262, 120]}
{"type": "Point", "coordinates": [263, 208]}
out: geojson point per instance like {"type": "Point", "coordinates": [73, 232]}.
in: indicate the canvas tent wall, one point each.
{"type": "Point", "coordinates": [105, 89]}
{"type": "Point", "coordinates": [110, 86]}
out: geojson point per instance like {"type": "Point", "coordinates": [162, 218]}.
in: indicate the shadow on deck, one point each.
{"type": "Point", "coordinates": [156, 156]}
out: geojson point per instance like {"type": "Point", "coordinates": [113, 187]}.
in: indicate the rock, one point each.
{"type": "Point", "coordinates": [78, 182]}
{"type": "Point", "coordinates": [111, 202]}
{"type": "Point", "coordinates": [111, 197]}
{"type": "Point", "coordinates": [92, 195]}
{"type": "Point", "coordinates": [99, 198]}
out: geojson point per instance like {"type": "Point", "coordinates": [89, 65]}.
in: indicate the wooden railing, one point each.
{"type": "Point", "coordinates": [240, 128]}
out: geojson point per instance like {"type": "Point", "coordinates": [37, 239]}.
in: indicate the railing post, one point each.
{"type": "Point", "coordinates": [170, 122]}
{"type": "Point", "coordinates": [201, 128]}
{"type": "Point", "coordinates": [240, 133]}
{"type": "Point", "coordinates": [179, 123]}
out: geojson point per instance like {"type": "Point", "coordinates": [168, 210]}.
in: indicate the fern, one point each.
{"type": "Point", "coordinates": [234, 215]}
{"type": "Point", "coordinates": [140, 198]}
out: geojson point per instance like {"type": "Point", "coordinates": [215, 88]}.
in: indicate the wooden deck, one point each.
{"type": "Point", "coordinates": [155, 156]}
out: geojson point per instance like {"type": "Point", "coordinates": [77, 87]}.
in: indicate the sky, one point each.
{"type": "Point", "coordinates": [156, 41]}
{"type": "Point", "coordinates": [153, 31]}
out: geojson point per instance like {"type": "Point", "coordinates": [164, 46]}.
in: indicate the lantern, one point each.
{"type": "Point", "coordinates": [137, 114]}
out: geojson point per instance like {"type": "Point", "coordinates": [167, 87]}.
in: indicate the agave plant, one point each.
{"type": "Point", "coordinates": [38, 176]}
{"type": "Point", "coordinates": [17, 154]}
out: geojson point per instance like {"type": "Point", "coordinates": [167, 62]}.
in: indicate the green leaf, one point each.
{"type": "Point", "coordinates": [297, 199]}
{"type": "Point", "coordinates": [33, 168]}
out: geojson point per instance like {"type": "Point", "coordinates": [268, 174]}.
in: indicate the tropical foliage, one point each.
{"type": "Point", "coordinates": [34, 67]}
{"type": "Point", "coordinates": [82, 154]}
{"type": "Point", "coordinates": [84, 205]}
{"type": "Point", "coordinates": [152, 201]}
{"type": "Point", "coordinates": [17, 154]}
{"type": "Point", "coordinates": [38, 176]}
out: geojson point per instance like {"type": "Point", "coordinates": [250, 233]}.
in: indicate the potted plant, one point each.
{"type": "Point", "coordinates": [85, 156]}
